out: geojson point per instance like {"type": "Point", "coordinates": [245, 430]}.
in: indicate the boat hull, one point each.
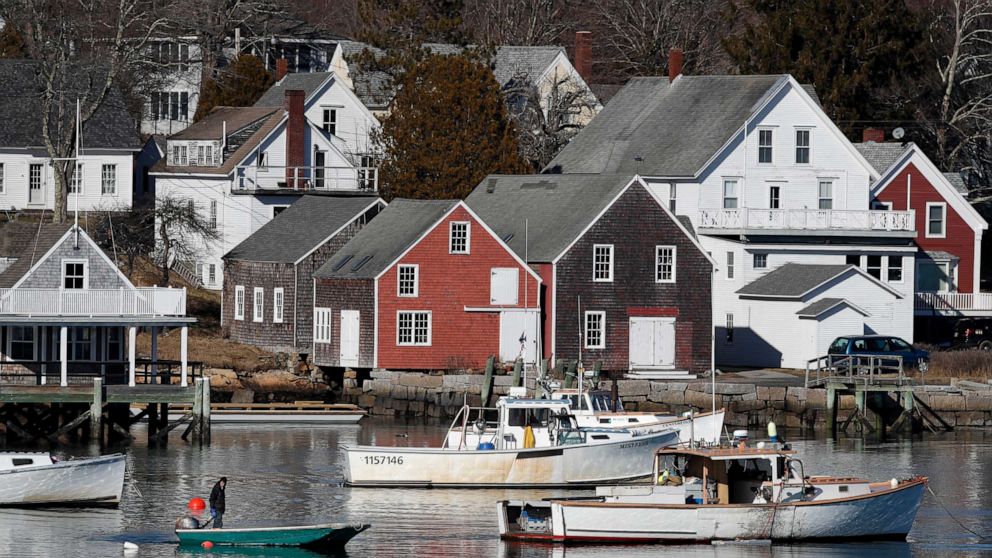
{"type": "Point", "coordinates": [705, 428]}
{"type": "Point", "coordinates": [562, 466]}
{"type": "Point", "coordinates": [309, 536]}
{"type": "Point", "coordinates": [85, 482]}
{"type": "Point", "coordinates": [886, 514]}
{"type": "Point", "coordinates": [217, 417]}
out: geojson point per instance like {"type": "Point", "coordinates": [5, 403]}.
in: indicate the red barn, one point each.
{"type": "Point", "coordinates": [426, 285]}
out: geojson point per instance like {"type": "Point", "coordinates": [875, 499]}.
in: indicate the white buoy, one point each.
{"type": "Point", "coordinates": [894, 483]}
{"type": "Point", "coordinates": [130, 547]}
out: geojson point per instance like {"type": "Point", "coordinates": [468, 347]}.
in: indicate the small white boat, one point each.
{"type": "Point", "coordinates": [36, 479]}
{"type": "Point", "coordinates": [534, 443]}
{"type": "Point", "coordinates": [705, 495]}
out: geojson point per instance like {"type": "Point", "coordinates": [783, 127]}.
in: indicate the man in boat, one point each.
{"type": "Point", "coordinates": [217, 505]}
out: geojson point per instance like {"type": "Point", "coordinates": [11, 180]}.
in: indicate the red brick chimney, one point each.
{"type": "Point", "coordinates": [295, 139]}
{"type": "Point", "coordinates": [674, 64]}
{"type": "Point", "coordinates": [282, 68]}
{"type": "Point", "coordinates": [583, 54]}
{"type": "Point", "coordinates": [876, 135]}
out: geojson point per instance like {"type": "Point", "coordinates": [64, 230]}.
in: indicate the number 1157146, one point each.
{"type": "Point", "coordinates": [383, 459]}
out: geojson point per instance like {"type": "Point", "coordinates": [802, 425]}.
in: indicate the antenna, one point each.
{"type": "Point", "coordinates": [527, 304]}
{"type": "Point", "coordinates": [76, 172]}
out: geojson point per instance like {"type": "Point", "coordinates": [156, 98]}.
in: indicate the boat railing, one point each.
{"type": "Point", "coordinates": [463, 416]}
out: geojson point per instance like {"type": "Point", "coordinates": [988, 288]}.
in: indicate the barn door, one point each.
{"type": "Point", "coordinates": [664, 342]}
{"type": "Point", "coordinates": [514, 325]}
{"type": "Point", "coordinates": [349, 337]}
{"type": "Point", "coordinates": [652, 343]}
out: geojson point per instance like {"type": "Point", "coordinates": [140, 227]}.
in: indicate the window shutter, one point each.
{"type": "Point", "coordinates": [503, 285]}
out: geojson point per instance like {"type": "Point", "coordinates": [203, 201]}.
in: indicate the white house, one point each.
{"type": "Point", "coordinates": [108, 172]}
{"type": "Point", "coordinates": [175, 90]}
{"type": "Point", "coordinates": [766, 179]}
{"type": "Point", "coordinates": [241, 166]}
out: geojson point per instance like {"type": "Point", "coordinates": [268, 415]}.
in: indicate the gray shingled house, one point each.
{"type": "Point", "coordinates": [268, 278]}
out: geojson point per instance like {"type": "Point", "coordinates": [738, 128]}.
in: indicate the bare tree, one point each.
{"type": "Point", "coordinates": [183, 232]}
{"type": "Point", "coordinates": [518, 22]}
{"type": "Point", "coordinates": [127, 233]}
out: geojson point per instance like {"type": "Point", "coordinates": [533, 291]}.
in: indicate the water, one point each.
{"type": "Point", "coordinates": [293, 474]}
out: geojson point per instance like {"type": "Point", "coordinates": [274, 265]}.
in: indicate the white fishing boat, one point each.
{"type": "Point", "coordinates": [533, 443]}
{"type": "Point", "coordinates": [704, 495]}
{"type": "Point", "coordinates": [598, 409]}
{"type": "Point", "coordinates": [37, 479]}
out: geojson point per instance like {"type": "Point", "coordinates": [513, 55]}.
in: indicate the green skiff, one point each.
{"type": "Point", "coordinates": [326, 535]}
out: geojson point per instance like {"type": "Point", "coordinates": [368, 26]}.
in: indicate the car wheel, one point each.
{"type": "Point", "coordinates": [985, 345]}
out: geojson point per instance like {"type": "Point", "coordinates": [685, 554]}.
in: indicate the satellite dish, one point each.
{"type": "Point", "coordinates": [898, 133]}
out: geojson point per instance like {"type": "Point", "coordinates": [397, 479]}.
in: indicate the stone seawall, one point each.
{"type": "Point", "coordinates": [747, 405]}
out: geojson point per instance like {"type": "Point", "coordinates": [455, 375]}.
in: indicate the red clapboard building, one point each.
{"type": "Point", "coordinates": [426, 285]}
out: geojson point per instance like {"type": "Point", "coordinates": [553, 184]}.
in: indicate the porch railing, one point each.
{"type": "Point", "coordinates": [954, 301]}
{"type": "Point", "coordinates": [251, 177]}
{"type": "Point", "coordinates": [808, 219]}
{"type": "Point", "coordinates": [93, 302]}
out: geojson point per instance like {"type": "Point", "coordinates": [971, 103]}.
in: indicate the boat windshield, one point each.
{"type": "Point", "coordinates": [601, 401]}
{"type": "Point", "coordinates": [535, 418]}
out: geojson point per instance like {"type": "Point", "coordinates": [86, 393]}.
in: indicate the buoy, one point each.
{"type": "Point", "coordinates": [894, 483]}
{"type": "Point", "coordinates": [196, 504]}
{"type": "Point", "coordinates": [207, 544]}
{"type": "Point", "coordinates": [772, 432]}
{"type": "Point", "coordinates": [130, 547]}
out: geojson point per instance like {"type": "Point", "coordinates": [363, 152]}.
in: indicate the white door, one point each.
{"type": "Point", "coordinates": [503, 283]}
{"type": "Point", "coordinates": [515, 325]}
{"type": "Point", "coordinates": [652, 343]}
{"type": "Point", "coordinates": [349, 337]}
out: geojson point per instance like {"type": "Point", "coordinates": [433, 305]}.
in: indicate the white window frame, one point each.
{"type": "Point", "coordinates": [211, 274]}
{"type": "Point", "coordinates": [322, 325]}
{"type": "Point", "coordinates": [213, 215]}
{"type": "Point", "coordinates": [729, 329]}
{"type": "Point", "coordinates": [602, 329]}
{"type": "Point", "coordinates": [210, 155]}
{"type": "Point", "coordinates": [775, 194]}
{"type": "Point", "coordinates": [658, 278]}
{"type": "Point", "coordinates": [451, 237]}
{"type": "Point", "coordinates": [770, 146]}
{"type": "Point", "coordinates": [764, 260]}
{"type": "Point", "coordinates": [182, 156]}
{"type": "Point", "coordinates": [278, 300]}
{"type": "Point", "coordinates": [3, 182]}
{"type": "Point", "coordinates": [108, 177]}
{"type": "Point", "coordinates": [416, 280]}
{"type": "Point", "coordinates": [943, 220]}
{"type": "Point", "coordinates": [258, 304]}
{"type": "Point", "coordinates": [77, 182]}
{"type": "Point", "coordinates": [413, 315]}
{"type": "Point", "coordinates": [75, 341]}
{"type": "Point", "coordinates": [595, 252]}
{"type": "Point", "coordinates": [880, 267]}
{"type": "Point", "coordinates": [808, 147]}
{"type": "Point", "coordinates": [731, 272]}
{"type": "Point", "coordinates": [86, 273]}
{"type": "Point", "coordinates": [239, 302]}
{"type": "Point", "coordinates": [819, 194]}
{"type": "Point", "coordinates": [672, 197]}
{"type": "Point", "coordinates": [736, 197]}
{"type": "Point", "coordinates": [889, 267]}
{"type": "Point", "coordinates": [326, 124]}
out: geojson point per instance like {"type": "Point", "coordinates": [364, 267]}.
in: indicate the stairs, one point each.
{"type": "Point", "coordinates": [188, 273]}
{"type": "Point", "coordinates": [660, 375]}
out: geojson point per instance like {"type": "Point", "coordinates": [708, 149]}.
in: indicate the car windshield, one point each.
{"type": "Point", "coordinates": [838, 346]}
{"type": "Point", "coordinates": [900, 345]}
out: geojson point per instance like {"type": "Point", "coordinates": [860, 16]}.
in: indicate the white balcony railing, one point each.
{"type": "Point", "coordinates": [808, 219]}
{"type": "Point", "coordinates": [346, 179]}
{"type": "Point", "coordinates": [93, 302]}
{"type": "Point", "coordinates": [954, 301]}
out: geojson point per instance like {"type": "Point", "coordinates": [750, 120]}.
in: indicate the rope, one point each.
{"type": "Point", "coordinates": [949, 514]}
{"type": "Point", "coordinates": [110, 220]}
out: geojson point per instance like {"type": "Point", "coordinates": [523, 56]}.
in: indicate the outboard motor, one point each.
{"type": "Point", "coordinates": [187, 522]}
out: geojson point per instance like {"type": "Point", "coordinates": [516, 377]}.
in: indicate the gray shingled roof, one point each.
{"type": "Point", "coordinates": [28, 242]}
{"type": "Point", "coordinates": [673, 128]}
{"type": "Point", "coordinates": [307, 82]}
{"type": "Point", "coordinates": [881, 156]}
{"type": "Point", "coordinates": [300, 228]}
{"type": "Point", "coordinates": [232, 119]}
{"type": "Point", "coordinates": [957, 181]}
{"type": "Point", "coordinates": [555, 207]}
{"type": "Point", "coordinates": [532, 61]}
{"type": "Point", "coordinates": [823, 305]}
{"type": "Point", "coordinates": [792, 280]}
{"type": "Point", "coordinates": [20, 113]}
{"type": "Point", "coordinates": [384, 239]}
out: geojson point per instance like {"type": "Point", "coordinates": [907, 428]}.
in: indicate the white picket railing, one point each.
{"type": "Point", "coordinates": [954, 301]}
{"type": "Point", "coordinates": [808, 219]}
{"type": "Point", "coordinates": [251, 177]}
{"type": "Point", "coordinates": [93, 302]}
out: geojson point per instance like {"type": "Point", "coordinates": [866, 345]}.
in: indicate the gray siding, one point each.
{"type": "Point", "coordinates": [48, 275]}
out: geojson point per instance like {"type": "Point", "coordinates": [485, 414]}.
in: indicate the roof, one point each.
{"type": "Point", "coordinates": [275, 96]}
{"type": "Point", "coordinates": [300, 228]}
{"type": "Point", "coordinates": [111, 127]}
{"type": "Point", "coordinates": [956, 180]}
{"type": "Point", "coordinates": [28, 242]}
{"type": "Point", "coordinates": [881, 156]}
{"type": "Point", "coordinates": [674, 128]}
{"type": "Point", "coordinates": [824, 305]}
{"type": "Point", "coordinates": [213, 125]}
{"type": "Point", "coordinates": [940, 255]}
{"type": "Point", "coordinates": [554, 208]}
{"type": "Point", "coordinates": [530, 61]}
{"type": "Point", "coordinates": [605, 91]}
{"type": "Point", "coordinates": [262, 129]}
{"type": "Point", "coordinates": [384, 239]}
{"type": "Point", "coordinates": [796, 280]}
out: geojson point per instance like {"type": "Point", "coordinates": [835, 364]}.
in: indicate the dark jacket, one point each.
{"type": "Point", "coordinates": [217, 498]}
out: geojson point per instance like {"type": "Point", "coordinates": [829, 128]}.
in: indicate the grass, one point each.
{"type": "Point", "coordinates": [968, 364]}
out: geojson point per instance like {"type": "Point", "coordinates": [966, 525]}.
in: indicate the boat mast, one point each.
{"type": "Point", "coordinates": [578, 365]}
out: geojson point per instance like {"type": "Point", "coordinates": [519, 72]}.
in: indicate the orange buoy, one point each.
{"type": "Point", "coordinates": [196, 504]}
{"type": "Point", "coordinates": [207, 544]}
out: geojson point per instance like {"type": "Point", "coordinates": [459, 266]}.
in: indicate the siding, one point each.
{"type": "Point", "coordinates": [347, 294]}
{"type": "Point", "coordinates": [269, 276]}
{"type": "Point", "coordinates": [354, 123]}
{"type": "Point", "coordinates": [16, 168]}
{"type": "Point", "coordinates": [48, 275]}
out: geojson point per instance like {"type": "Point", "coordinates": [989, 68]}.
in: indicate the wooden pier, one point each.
{"type": "Point", "coordinates": [102, 413]}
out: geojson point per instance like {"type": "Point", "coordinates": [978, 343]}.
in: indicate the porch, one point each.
{"type": "Point", "coordinates": [950, 304]}
{"type": "Point", "coordinates": [806, 221]}
{"type": "Point", "coordinates": [319, 178]}
{"type": "Point", "coordinates": [93, 302]}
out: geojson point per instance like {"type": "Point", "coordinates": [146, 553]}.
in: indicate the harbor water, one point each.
{"type": "Point", "coordinates": [293, 474]}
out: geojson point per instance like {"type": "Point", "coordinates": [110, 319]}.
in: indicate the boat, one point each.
{"type": "Point", "coordinates": [598, 409]}
{"type": "Point", "coordinates": [38, 479]}
{"type": "Point", "coordinates": [722, 494]}
{"type": "Point", "coordinates": [320, 536]}
{"type": "Point", "coordinates": [533, 443]}
{"type": "Point", "coordinates": [300, 412]}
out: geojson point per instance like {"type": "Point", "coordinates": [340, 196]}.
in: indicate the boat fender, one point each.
{"type": "Point", "coordinates": [187, 522]}
{"type": "Point", "coordinates": [207, 545]}
{"type": "Point", "coordinates": [894, 483]}
{"type": "Point", "coordinates": [130, 547]}
{"type": "Point", "coordinates": [772, 432]}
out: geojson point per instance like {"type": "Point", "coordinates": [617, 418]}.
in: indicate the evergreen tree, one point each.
{"type": "Point", "coordinates": [447, 129]}
{"type": "Point", "coordinates": [239, 85]}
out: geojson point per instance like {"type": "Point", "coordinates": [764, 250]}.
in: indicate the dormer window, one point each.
{"type": "Point", "coordinates": [74, 274]}
{"type": "Point", "coordinates": [330, 121]}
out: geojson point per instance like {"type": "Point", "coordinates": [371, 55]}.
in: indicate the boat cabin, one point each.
{"type": "Point", "coordinates": [13, 460]}
{"type": "Point", "coordinates": [595, 400]}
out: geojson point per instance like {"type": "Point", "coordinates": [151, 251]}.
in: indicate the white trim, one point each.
{"type": "Point", "coordinates": [468, 237]}
{"type": "Point", "coordinates": [943, 220]}
{"type": "Point", "coordinates": [842, 301]}
{"type": "Point", "coordinates": [657, 250]}
{"type": "Point", "coordinates": [34, 343]}
{"type": "Point", "coordinates": [258, 310]}
{"type": "Point", "coordinates": [278, 305]}
{"type": "Point", "coordinates": [86, 271]}
{"type": "Point", "coordinates": [692, 238]}
{"type": "Point", "coordinates": [516, 258]}
{"type": "Point", "coordinates": [887, 258]}
{"type": "Point", "coordinates": [856, 269]}
{"type": "Point", "coordinates": [240, 316]}
{"type": "Point", "coordinates": [327, 313]}
{"type": "Point", "coordinates": [977, 266]}
{"type": "Point", "coordinates": [830, 248]}
{"type": "Point", "coordinates": [338, 231]}
{"type": "Point", "coordinates": [731, 260]}
{"type": "Point", "coordinates": [375, 325]}
{"type": "Point", "coordinates": [771, 146]}
{"type": "Point", "coordinates": [808, 146]}
{"type": "Point", "coordinates": [554, 311]}
{"type": "Point", "coordinates": [413, 328]}
{"type": "Point", "coordinates": [416, 281]}
{"type": "Point", "coordinates": [585, 329]}
{"type": "Point", "coordinates": [609, 277]}
{"type": "Point", "coordinates": [331, 81]}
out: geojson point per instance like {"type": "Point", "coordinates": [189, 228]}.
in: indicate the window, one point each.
{"type": "Point", "coordinates": [277, 301]}
{"type": "Point", "coordinates": [730, 328]}
{"type": "Point", "coordinates": [367, 173]}
{"type": "Point", "coordinates": [239, 302]}
{"type": "Point", "coordinates": [760, 261]}
{"type": "Point", "coordinates": [277, 209]}
{"type": "Point", "coordinates": [764, 146]}
{"type": "Point", "coordinates": [895, 269]}
{"type": "Point", "coordinates": [774, 197]}
{"type": "Point", "coordinates": [74, 274]}
{"type": "Point", "coordinates": [595, 330]}
{"type": "Point", "coordinates": [34, 177]}
{"type": "Point", "coordinates": [826, 194]}
{"type": "Point", "coordinates": [182, 155]}
{"type": "Point", "coordinates": [210, 155]}
{"type": "Point", "coordinates": [874, 266]}
{"type": "Point", "coordinates": [213, 215]}
{"type": "Point", "coordinates": [881, 205]}
{"type": "Point", "coordinates": [80, 343]}
{"type": "Point", "coordinates": [664, 264]}
{"type": "Point", "coordinates": [602, 262]}
{"type": "Point", "coordinates": [211, 274]}
{"type": "Point", "coordinates": [936, 220]}
{"type": "Point", "coordinates": [730, 265]}
{"type": "Point", "coordinates": [262, 160]}
{"type": "Point", "coordinates": [76, 184]}
{"type": "Point", "coordinates": [115, 343]}
{"type": "Point", "coordinates": [330, 122]}
{"type": "Point", "coordinates": [108, 180]}
{"type": "Point", "coordinates": [459, 237]}
{"type": "Point", "coordinates": [200, 153]}
{"type": "Point", "coordinates": [853, 259]}
{"type": "Point", "coordinates": [406, 280]}
{"type": "Point", "coordinates": [21, 343]}
{"type": "Point", "coordinates": [934, 277]}
{"type": "Point", "coordinates": [322, 325]}
{"type": "Point", "coordinates": [258, 305]}
{"type": "Point", "coordinates": [3, 187]}
{"type": "Point", "coordinates": [672, 191]}
{"type": "Point", "coordinates": [730, 194]}
{"type": "Point", "coordinates": [413, 328]}
{"type": "Point", "coordinates": [802, 147]}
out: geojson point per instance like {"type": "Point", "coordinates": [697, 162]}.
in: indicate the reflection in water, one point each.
{"type": "Point", "coordinates": [294, 474]}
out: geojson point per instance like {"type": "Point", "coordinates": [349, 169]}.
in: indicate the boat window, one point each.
{"type": "Point", "coordinates": [600, 437]}
{"type": "Point", "coordinates": [842, 488]}
{"type": "Point", "coordinates": [535, 418]}
{"type": "Point", "coordinates": [601, 402]}
{"type": "Point", "coordinates": [19, 461]}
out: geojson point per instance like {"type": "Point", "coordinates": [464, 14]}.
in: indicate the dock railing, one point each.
{"type": "Point", "coordinates": [856, 369]}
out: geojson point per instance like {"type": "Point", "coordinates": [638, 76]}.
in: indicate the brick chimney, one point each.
{"type": "Point", "coordinates": [282, 68]}
{"type": "Point", "coordinates": [295, 138]}
{"type": "Point", "coordinates": [582, 58]}
{"type": "Point", "coordinates": [876, 135]}
{"type": "Point", "coordinates": [674, 64]}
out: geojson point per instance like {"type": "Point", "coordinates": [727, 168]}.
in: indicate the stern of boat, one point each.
{"type": "Point", "coordinates": [526, 520]}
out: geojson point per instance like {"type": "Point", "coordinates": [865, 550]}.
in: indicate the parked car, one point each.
{"type": "Point", "coordinates": [972, 333]}
{"type": "Point", "coordinates": [881, 345]}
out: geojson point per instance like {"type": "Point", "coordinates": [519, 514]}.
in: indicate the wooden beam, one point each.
{"type": "Point", "coordinates": [172, 426]}
{"type": "Point", "coordinates": [74, 424]}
